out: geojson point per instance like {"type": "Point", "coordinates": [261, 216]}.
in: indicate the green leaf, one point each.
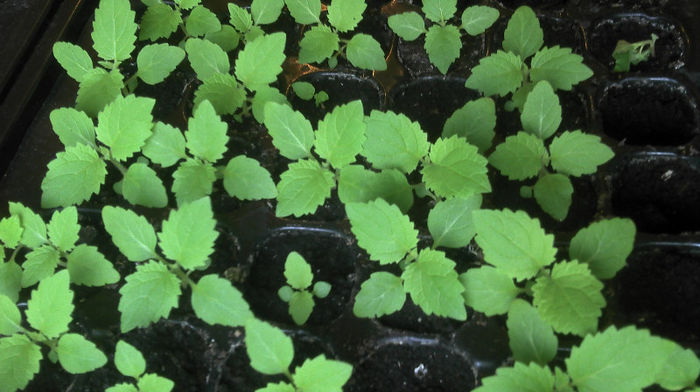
{"type": "Point", "coordinates": [262, 97]}
{"type": "Point", "coordinates": [561, 68]}
{"type": "Point", "coordinates": [10, 318]}
{"type": "Point", "coordinates": [304, 90]}
{"type": "Point", "coordinates": [131, 233]}
{"type": "Point", "coordinates": [318, 44]}
{"type": "Point", "coordinates": [679, 371]}
{"type": "Point", "coordinates": [340, 134]}
{"type": "Point", "coordinates": [500, 73]}
{"type": "Point", "coordinates": [364, 52]}
{"type": "Point", "coordinates": [476, 19]}
{"type": "Point", "coordinates": [569, 300]}
{"type": "Point", "coordinates": [227, 38]}
{"type": "Point", "coordinates": [302, 188]}
{"type": "Point", "coordinates": [530, 338]}
{"type": "Point", "coordinates": [154, 383]}
{"type": "Point", "coordinates": [206, 133]}
{"type": "Point", "coordinates": [11, 231]}
{"type": "Point", "coordinates": [201, 21]}
{"type": "Point", "coordinates": [298, 271]}
{"type": "Point", "coordinates": [63, 228]}
{"type": "Point", "coordinates": [407, 25]}
{"type": "Point", "coordinates": [245, 179]}
{"type": "Point", "coordinates": [513, 242]}
{"type": "Point", "coordinates": [155, 62]}
{"type": "Point", "coordinates": [189, 233]}
{"type": "Point", "coordinates": [88, 267]}
{"type": "Point", "coordinates": [553, 193]}
{"type": "Point", "coordinates": [159, 21]}
{"type": "Point", "coordinates": [269, 349]}
{"type": "Point", "coordinates": [382, 230]}
{"type": "Point", "coordinates": [488, 290]}
{"type": "Point", "coordinates": [125, 124]}
{"type": "Point", "coordinates": [187, 4]}
{"type": "Point", "coordinates": [520, 96]}
{"type": "Point", "coordinates": [240, 18]}
{"type": "Point", "coordinates": [439, 10]}
{"type": "Point", "coordinates": [456, 169]}
{"type": "Point", "coordinates": [34, 233]}
{"type": "Point", "coordinates": [604, 246]}
{"type": "Point", "coordinates": [443, 44]}
{"type": "Point", "coordinates": [50, 307]}
{"type": "Point", "coordinates": [434, 285]}
{"type": "Point", "coordinates": [206, 58]}
{"type": "Point", "coordinates": [73, 176]}
{"type": "Point", "coordinates": [520, 378]}
{"type": "Point", "coordinates": [321, 289]}
{"type": "Point", "coordinates": [141, 186]}
{"type": "Point", "coordinates": [577, 153]}
{"type": "Point", "coordinates": [40, 263]}
{"type": "Point", "coordinates": [279, 387]}
{"type": "Point", "coordinates": [305, 11]}
{"type": "Point", "coordinates": [475, 121]}
{"type": "Point", "coordinates": [122, 387]}
{"type": "Point", "coordinates": [254, 73]}
{"type": "Point", "coordinates": [114, 30]}
{"type": "Point", "coordinates": [97, 89]}
{"type": "Point", "coordinates": [381, 294]}
{"type": "Point", "coordinates": [266, 11]}
{"type": "Point", "coordinates": [223, 92]}
{"type": "Point", "coordinates": [166, 145]}
{"type": "Point", "coordinates": [10, 280]}
{"type": "Point", "coordinates": [74, 59]}
{"type": "Point", "coordinates": [193, 180]}
{"type": "Point", "coordinates": [78, 355]}
{"type": "Point", "coordinates": [520, 157]}
{"type": "Point", "coordinates": [359, 185]}
{"type": "Point", "coordinates": [291, 132]}
{"type": "Point", "coordinates": [19, 362]}
{"type": "Point", "coordinates": [216, 301]}
{"type": "Point", "coordinates": [72, 127]}
{"type": "Point", "coordinates": [345, 15]}
{"type": "Point", "coordinates": [523, 35]}
{"type": "Point", "coordinates": [394, 142]}
{"type": "Point", "coordinates": [300, 306]}
{"type": "Point", "coordinates": [541, 114]}
{"type": "Point", "coordinates": [450, 221]}
{"type": "Point", "coordinates": [129, 360]}
{"type": "Point", "coordinates": [149, 294]}
{"type": "Point", "coordinates": [322, 375]}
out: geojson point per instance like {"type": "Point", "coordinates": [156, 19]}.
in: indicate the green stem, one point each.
{"type": "Point", "coordinates": [14, 253]}
{"type": "Point", "coordinates": [119, 166]}
{"type": "Point", "coordinates": [174, 268]}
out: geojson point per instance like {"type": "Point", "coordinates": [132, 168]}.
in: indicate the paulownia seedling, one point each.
{"type": "Point", "coordinates": [130, 362]}
{"type": "Point", "coordinates": [247, 23]}
{"type": "Point", "coordinates": [299, 278]}
{"type": "Point", "coordinates": [627, 54]}
{"type": "Point", "coordinates": [307, 92]}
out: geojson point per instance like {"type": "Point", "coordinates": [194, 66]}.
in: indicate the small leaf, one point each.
{"type": "Point", "coordinates": [155, 62]}
{"type": "Point", "coordinates": [159, 21]}
{"type": "Point", "coordinates": [63, 228]}
{"type": "Point", "coordinates": [10, 318]}
{"type": "Point", "coordinates": [291, 132]}
{"type": "Point", "coordinates": [131, 233]}
{"type": "Point", "coordinates": [240, 19]}
{"type": "Point", "coordinates": [125, 124]}
{"type": "Point", "coordinates": [166, 145]}
{"type": "Point", "coordinates": [19, 362]}
{"type": "Point", "coordinates": [305, 11]}
{"type": "Point", "coordinates": [604, 246]}
{"type": "Point", "coordinates": [255, 74]}
{"type": "Point", "coordinates": [10, 280]}
{"type": "Point", "coordinates": [122, 387]}
{"type": "Point", "coordinates": [394, 142]}
{"type": "Point", "coordinates": [523, 35]}
{"type": "Point", "coordinates": [304, 90]}
{"type": "Point", "coordinates": [72, 127]}
{"type": "Point", "coordinates": [223, 92]}
{"type": "Point", "coordinates": [359, 185]}
{"type": "Point", "coordinates": [297, 271]}
{"type": "Point", "coordinates": [97, 89]}
{"type": "Point", "coordinates": [10, 231]}
{"type": "Point", "coordinates": [154, 383]}
{"type": "Point", "coordinates": [88, 267]}
{"type": "Point", "coordinates": [206, 134]}
{"type": "Point", "coordinates": [34, 233]}
{"type": "Point", "coordinates": [114, 30]}
{"type": "Point", "coordinates": [302, 188]}
{"type": "Point", "coordinates": [322, 375]}
{"type": "Point", "coordinates": [561, 68]}
{"type": "Point", "coordinates": [74, 59]}
{"type": "Point", "coordinates": [141, 186]}
{"type": "Point", "coordinates": [529, 337]}
{"type": "Point", "coordinates": [74, 176]}
{"type": "Point", "coordinates": [541, 114]}
{"type": "Point", "coordinates": [364, 52]}
{"type": "Point", "coordinates": [149, 294]}
{"type": "Point", "coordinates": [577, 153]}
{"type": "Point", "coordinates": [340, 134]}
{"type": "Point", "coordinates": [245, 179]}
{"type": "Point", "coordinates": [321, 289]}
{"type": "Point", "coordinates": [188, 235]}
{"type": "Point", "coordinates": [78, 355]}
{"type": "Point", "coordinates": [269, 349]}
{"type": "Point", "coordinates": [488, 290]}
{"type": "Point", "coordinates": [381, 294]}
{"type": "Point", "coordinates": [201, 21]}
{"type": "Point", "coordinates": [318, 44]}
{"type": "Point", "coordinates": [206, 58]}
{"type": "Point", "coordinates": [500, 73]}
{"type": "Point", "coordinates": [279, 387]}
{"type": "Point", "coordinates": [680, 370]}
{"type": "Point", "coordinates": [439, 10]}
{"type": "Point", "coordinates": [407, 25]}
{"type": "Point", "coordinates": [129, 360]}
{"type": "Point", "coordinates": [450, 221]}
{"type": "Point", "coordinates": [553, 193]}
{"type": "Point", "coordinates": [520, 377]}
{"type": "Point", "coordinates": [40, 263]}
{"type": "Point", "coordinates": [382, 230]}
{"type": "Point", "coordinates": [475, 121]}
{"type": "Point", "coordinates": [345, 15]}
{"type": "Point", "coordinates": [193, 180]}
{"type": "Point", "coordinates": [520, 157]}
{"type": "Point", "coordinates": [50, 307]}
{"type": "Point", "coordinates": [300, 306]}
{"type": "Point", "coordinates": [456, 169]}
{"type": "Point", "coordinates": [443, 44]}
{"type": "Point", "coordinates": [476, 19]}
{"type": "Point", "coordinates": [266, 11]}
{"type": "Point", "coordinates": [216, 301]}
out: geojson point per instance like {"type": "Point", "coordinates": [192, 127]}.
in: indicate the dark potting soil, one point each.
{"type": "Point", "coordinates": [660, 192]}
{"type": "Point", "coordinates": [658, 111]}
{"type": "Point", "coordinates": [485, 340]}
{"type": "Point", "coordinates": [412, 318]}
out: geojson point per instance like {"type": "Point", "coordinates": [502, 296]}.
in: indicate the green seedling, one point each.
{"type": "Point", "coordinates": [307, 92]}
{"type": "Point", "coordinates": [299, 278]}
{"type": "Point", "coordinates": [247, 23]}
{"type": "Point", "coordinates": [443, 40]}
{"type": "Point", "coordinates": [48, 313]}
{"type": "Point", "coordinates": [627, 54]}
{"type": "Point", "coordinates": [130, 362]}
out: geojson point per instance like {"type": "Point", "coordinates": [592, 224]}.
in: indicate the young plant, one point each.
{"type": "Point", "coordinates": [307, 92]}
{"type": "Point", "coordinates": [296, 293]}
{"type": "Point", "coordinates": [626, 359]}
{"type": "Point", "coordinates": [187, 240]}
{"type": "Point", "coordinates": [627, 54]}
{"type": "Point", "coordinates": [323, 42]}
{"type": "Point", "coordinates": [271, 352]}
{"type": "Point", "coordinates": [130, 362]}
{"type": "Point", "coordinates": [49, 246]}
{"type": "Point", "coordinates": [443, 41]}
{"type": "Point", "coordinates": [247, 23]}
{"type": "Point", "coordinates": [114, 36]}
{"type": "Point", "coordinates": [49, 314]}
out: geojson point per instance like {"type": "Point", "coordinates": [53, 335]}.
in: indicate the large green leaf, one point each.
{"type": "Point", "coordinates": [520, 157]}
{"type": "Point", "coordinates": [561, 68]}
{"type": "Point", "coordinates": [456, 169]}
{"type": "Point", "coordinates": [125, 124]}
{"type": "Point", "coordinates": [74, 176]}
{"type": "Point", "coordinates": [201, 21]}
{"type": "Point", "coordinates": [262, 97]}
{"type": "Point", "coordinates": [359, 185]}
{"type": "Point", "coordinates": [78, 355]}
{"type": "Point", "coordinates": [141, 186]}
{"type": "Point", "coordinates": [680, 370]}
{"type": "Point", "coordinates": [166, 145]}
{"type": "Point", "coordinates": [291, 132]}
{"type": "Point", "coordinates": [206, 134]}
{"type": "Point", "coordinates": [553, 193]}
{"type": "Point", "coordinates": [381, 294]}
{"type": "Point", "coordinates": [114, 30]}
{"type": "Point", "coordinates": [477, 18]}
{"type": "Point", "coordinates": [269, 349]}
{"type": "Point", "coordinates": [443, 43]}
{"type": "Point", "coordinates": [530, 338]}
{"type": "Point", "coordinates": [188, 235]}
{"type": "Point", "coordinates": [523, 35]}
{"type": "Point", "coordinates": [577, 153]}
{"type": "Point", "coordinates": [131, 233]}
{"type": "Point", "coordinates": [216, 301]}
{"type": "Point", "coordinates": [340, 134]}
{"type": "Point", "coordinates": [394, 142]}
{"type": "Point", "coordinates": [74, 59]}
{"type": "Point", "coordinates": [19, 362]}
{"type": "Point", "coordinates": [322, 375]}
{"type": "Point", "coordinates": [364, 52]}
{"type": "Point", "coordinates": [245, 179]}
{"type": "Point", "coordinates": [450, 221]}
{"type": "Point", "coordinates": [40, 263]}
{"type": "Point", "coordinates": [500, 73]}
{"type": "Point", "coordinates": [155, 62]}
{"type": "Point", "coordinates": [407, 25]}
{"type": "Point", "coordinates": [88, 267]}
{"type": "Point", "coordinates": [159, 21]}
{"type": "Point", "coordinates": [305, 11]}
{"type": "Point", "coordinates": [345, 15]}
{"type": "Point", "coordinates": [541, 114]}
{"type": "Point", "coordinates": [153, 382]}
{"type": "Point", "coordinates": [488, 290]}
{"type": "Point", "coordinates": [193, 180]}
{"type": "Point", "coordinates": [266, 11]}
{"type": "Point", "coordinates": [206, 58]}
{"type": "Point", "coordinates": [223, 91]}
{"type": "Point", "coordinates": [50, 307]}
{"type": "Point", "coordinates": [254, 73]}
{"type": "Point", "coordinates": [72, 127]}
{"type": "Point", "coordinates": [439, 10]}
{"type": "Point", "coordinates": [475, 121]}
{"type": "Point", "coordinates": [97, 89]}
{"type": "Point", "coordinates": [63, 228]}
{"type": "Point", "coordinates": [604, 246]}
{"type": "Point", "coordinates": [149, 294]}
{"type": "Point", "coordinates": [302, 188]}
